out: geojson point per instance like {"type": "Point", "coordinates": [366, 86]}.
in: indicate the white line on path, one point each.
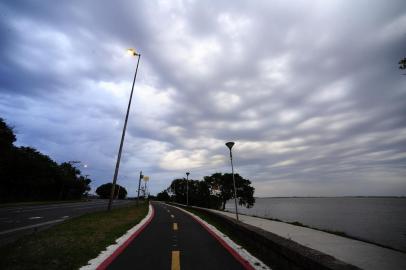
{"type": "Point", "coordinates": [35, 217]}
{"type": "Point", "coordinates": [31, 226]}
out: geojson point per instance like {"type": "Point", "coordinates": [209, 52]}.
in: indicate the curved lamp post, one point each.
{"type": "Point", "coordinates": [230, 145]}
{"type": "Point", "coordinates": [187, 188]}
{"type": "Point", "coordinates": [132, 52]}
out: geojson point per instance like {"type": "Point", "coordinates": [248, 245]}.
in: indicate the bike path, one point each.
{"type": "Point", "coordinates": [174, 240]}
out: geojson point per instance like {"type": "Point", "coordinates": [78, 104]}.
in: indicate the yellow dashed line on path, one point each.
{"type": "Point", "coordinates": [175, 260]}
{"type": "Point", "coordinates": [175, 226]}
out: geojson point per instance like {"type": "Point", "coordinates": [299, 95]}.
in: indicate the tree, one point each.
{"type": "Point", "coordinates": [402, 63]}
{"type": "Point", "coordinates": [104, 191]}
{"type": "Point", "coordinates": [7, 137]}
{"type": "Point", "coordinates": [213, 192]}
{"type": "Point", "coordinates": [178, 189]}
{"type": "Point", "coordinates": [163, 196]}
{"type": "Point", "coordinates": [222, 186]}
{"type": "Point", "coordinates": [27, 174]}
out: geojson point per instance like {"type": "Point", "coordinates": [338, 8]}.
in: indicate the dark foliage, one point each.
{"type": "Point", "coordinates": [28, 175]}
{"type": "Point", "coordinates": [402, 63]}
{"type": "Point", "coordinates": [7, 137]}
{"type": "Point", "coordinates": [104, 191]}
{"type": "Point", "coordinates": [163, 196]}
{"type": "Point", "coordinates": [214, 191]}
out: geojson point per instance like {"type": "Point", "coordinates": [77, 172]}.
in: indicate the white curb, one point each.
{"type": "Point", "coordinates": [94, 263]}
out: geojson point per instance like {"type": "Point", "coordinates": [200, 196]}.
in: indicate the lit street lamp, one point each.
{"type": "Point", "coordinates": [230, 145]}
{"type": "Point", "coordinates": [132, 52]}
{"type": "Point", "coordinates": [187, 188]}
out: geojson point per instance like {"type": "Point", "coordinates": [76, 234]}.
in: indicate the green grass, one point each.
{"type": "Point", "coordinates": [73, 243]}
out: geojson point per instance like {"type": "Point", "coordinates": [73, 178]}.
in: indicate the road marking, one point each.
{"type": "Point", "coordinates": [31, 208]}
{"type": "Point", "coordinates": [65, 216]}
{"type": "Point", "coordinates": [172, 216]}
{"type": "Point", "coordinates": [31, 226]}
{"type": "Point", "coordinates": [35, 217]}
{"type": "Point", "coordinates": [168, 211]}
{"type": "Point", "coordinates": [175, 226]}
{"type": "Point", "coordinates": [175, 260]}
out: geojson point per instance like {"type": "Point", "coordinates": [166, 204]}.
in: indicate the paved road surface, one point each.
{"type": "Point", "coordinates": [174, 240]}
{"type": "Point", "coordinates": [19, 220]}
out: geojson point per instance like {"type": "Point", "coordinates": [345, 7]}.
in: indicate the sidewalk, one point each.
{"type": "Point", "coordinates": [358, 253]}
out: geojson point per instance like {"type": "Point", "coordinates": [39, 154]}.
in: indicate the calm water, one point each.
{"type": "Point", "coordinates": [381, 220]}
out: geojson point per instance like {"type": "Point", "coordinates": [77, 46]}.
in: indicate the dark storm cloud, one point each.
{"type": "Point", "coordinates": [310, 91]}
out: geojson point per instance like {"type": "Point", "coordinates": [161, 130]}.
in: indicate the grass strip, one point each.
{"type": "Point", "coordinates": [73, 243]}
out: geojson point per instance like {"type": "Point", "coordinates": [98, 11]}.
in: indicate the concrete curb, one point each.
{"type": "Point", "coordinates": [107, 256]}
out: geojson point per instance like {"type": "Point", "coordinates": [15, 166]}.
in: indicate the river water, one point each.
{"type": "Point", "coordinates": [380, 220]}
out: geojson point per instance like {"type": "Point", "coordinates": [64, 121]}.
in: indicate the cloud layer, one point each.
{"type": "Point", "coordinates": [310, 92]}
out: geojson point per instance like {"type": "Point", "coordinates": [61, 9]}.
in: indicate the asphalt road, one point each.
{"type": "Point", "coordinates": [20, 220]}
{"type": "Point", "coordinates": [174, 240]}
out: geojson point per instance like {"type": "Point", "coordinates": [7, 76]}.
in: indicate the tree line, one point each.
{"type": "Point", "coordinates": [212, 192]}
{"type": "Point", "coordinates": [28, 175]}
{"type": "Point", "coordinates": [104, 191]}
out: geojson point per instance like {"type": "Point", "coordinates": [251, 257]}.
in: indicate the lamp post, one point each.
{"type": "Point", "coordinates": [146, 179]}
{"type": "Point", "coordinates": [187, 188]}
{"type": "Point", "coordinates": [230, 145]}
{"type": "Point", "coordinates": [139, 186]}
{"type": "Point", "coordinates": [132, 52]}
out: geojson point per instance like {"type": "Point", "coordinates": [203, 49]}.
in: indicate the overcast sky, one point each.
{"type": "Point", "coordinates": [310, 91]}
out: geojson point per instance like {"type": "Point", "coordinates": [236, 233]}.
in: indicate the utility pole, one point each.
{"type": "Point", "coordinates": [187, 188]}
{"type": "Point", "coordinates": [139, 186]}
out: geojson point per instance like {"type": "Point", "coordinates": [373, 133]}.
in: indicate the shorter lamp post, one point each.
{"type": "Point", "coordinates": [187, 188]}
{"type": "Point", "coordinates": [139, 186]}
{"type": "Point", "coordinates": [146, 179]}
{"type": "Point", "coordinates": [230, 145]}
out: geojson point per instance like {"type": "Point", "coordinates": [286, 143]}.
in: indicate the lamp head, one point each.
{"type": "Point", "coordinates": [187, 173]}
{"type": "Point", "coordinates": [132, 52]}
{"type": "Point", "coordinates": [230, 145]}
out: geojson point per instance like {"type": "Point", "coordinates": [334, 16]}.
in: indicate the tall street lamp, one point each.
{"type": "Point", "coordinates": [132, 52]}
{"type": "Point", "coordinates": [187, 188]}
{"type": "Point", "coordinates": [230, 145]}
